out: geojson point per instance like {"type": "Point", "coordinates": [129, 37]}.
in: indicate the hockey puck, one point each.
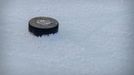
{"type": "Point", "coordinates": [43, 26]}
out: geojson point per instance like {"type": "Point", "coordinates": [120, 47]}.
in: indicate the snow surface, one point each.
{"type": "Point", "coordinates": [96, 37]}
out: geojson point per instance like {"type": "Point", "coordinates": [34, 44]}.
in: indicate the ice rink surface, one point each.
{"type": "Point", "coordinates": [95, 37]}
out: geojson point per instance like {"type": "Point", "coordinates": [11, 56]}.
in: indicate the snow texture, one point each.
{"type": "Point", "coordinates": [95, 37]}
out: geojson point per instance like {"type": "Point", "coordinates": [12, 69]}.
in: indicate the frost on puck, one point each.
{"type": "Point", "coordinates": [43, 26]}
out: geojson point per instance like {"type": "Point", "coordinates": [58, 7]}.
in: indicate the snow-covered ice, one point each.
{"type": "Point", "coordinates": [96, 37]}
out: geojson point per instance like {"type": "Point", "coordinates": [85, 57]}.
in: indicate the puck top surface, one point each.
{"type": "Point", "coordinates": [43, 22]}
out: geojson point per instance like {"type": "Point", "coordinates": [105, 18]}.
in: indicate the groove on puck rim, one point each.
{"type": "Point", "coordinates": [43, 26]}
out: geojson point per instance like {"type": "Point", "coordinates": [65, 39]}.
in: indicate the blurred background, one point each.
{"type": "Point", "coordinates": [95, 37]}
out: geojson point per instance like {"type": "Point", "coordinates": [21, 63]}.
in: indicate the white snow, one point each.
{"type": "Point", "coordinates": [96, 37]}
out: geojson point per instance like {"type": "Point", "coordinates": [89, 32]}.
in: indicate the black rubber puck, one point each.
{"type": "Point", "coordinates": [43, 26]}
